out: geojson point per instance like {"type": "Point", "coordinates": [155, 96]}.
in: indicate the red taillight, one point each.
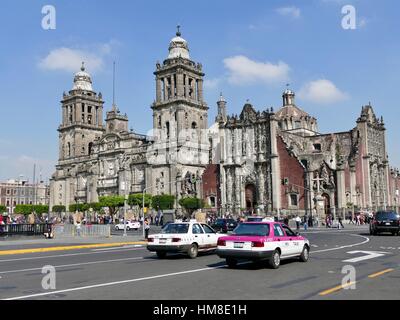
{"type": "Point", "coordinates": [150, 239]}
{"type": "Point", "coordinates": [176, 239]}
{"type": "Point", "coordinates": [221, 243]}
{"type": "Point", "coordinates": [257, 244]}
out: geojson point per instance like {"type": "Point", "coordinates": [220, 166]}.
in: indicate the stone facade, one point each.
{"type": "Point", "coordinates": [259, 161]}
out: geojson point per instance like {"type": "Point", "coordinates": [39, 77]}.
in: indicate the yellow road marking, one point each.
{"type": "Point", "coordinates": [67, 248]}
{"type": "Point", "coordinates": [329, 291]}
{"type": "Point", "coordinates": [380, 273]}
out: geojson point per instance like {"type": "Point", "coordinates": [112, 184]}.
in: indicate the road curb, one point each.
{"type": "Point", "coordinates": [69, 248]}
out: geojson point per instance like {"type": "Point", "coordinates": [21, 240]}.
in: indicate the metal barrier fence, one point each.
{"type": "Point", "coordinates": [24, 229]}
{"type": "Point", "coordinates": [71, 230]}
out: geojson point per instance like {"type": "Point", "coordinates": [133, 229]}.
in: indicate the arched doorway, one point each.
{"type": "Point", "coordinates": [251, 198]}
{"type": "Point", "coordinates": [327, 203]}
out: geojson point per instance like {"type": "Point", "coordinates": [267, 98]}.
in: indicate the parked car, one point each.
{"type": "Point", "coordinates": [385, 221]}
{"type": "Point", "coordinates": [183, 237]}
{"type": "Point", "coordinates": [224, 225]}
{"type": "Point", "coordinates": [271, 241]}
{"type": "Point", "coordinates": [129, 226]}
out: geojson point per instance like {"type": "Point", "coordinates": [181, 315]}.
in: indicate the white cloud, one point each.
{"type": "Point", "coordinates": [243, 70]}
{"type": "Point", "coordinates": [70, 60]}
{"type": "Point", "coordinates": [321, 91]}
{"type": "Point", "coordinates": [292, 12]}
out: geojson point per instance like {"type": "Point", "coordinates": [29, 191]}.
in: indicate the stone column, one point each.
{"type": "Point", "coordinates": [200, 86]}
{"type": "Point", "coordinates": [353, 182]}
{"type": "Point", "coordinates": [367, 182]}
{"type": "Point", "coordinates": [341, 188]}
{"type": "Point", "coordinates": [275, 167]}
{"type": "Point", "coordinates": [180, 86]}
{"type": "Point", "coordinates": [158, 90]}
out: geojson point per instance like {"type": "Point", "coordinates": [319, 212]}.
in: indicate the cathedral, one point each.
{"type": "Point", "coordinates": [258, 162]}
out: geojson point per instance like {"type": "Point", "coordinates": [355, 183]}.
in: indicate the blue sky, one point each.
{"type": "Point", "coordinates": [249, 50]}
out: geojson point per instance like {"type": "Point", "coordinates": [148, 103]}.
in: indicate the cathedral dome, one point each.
{"type": "Point", "coordinates": [82, 80]}
{"type": "Point", "coordinates": [178, 47]}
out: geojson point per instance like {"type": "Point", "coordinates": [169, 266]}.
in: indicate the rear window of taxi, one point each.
{"type": "Point", "coordinates": [252, 229]}
{"type": "Point", "coordinates": [176, 228]}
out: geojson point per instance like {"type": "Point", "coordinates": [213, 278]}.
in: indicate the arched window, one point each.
{"type": "Point", "coordinates": [90, 148]}
{"type": "Point", "coordinates": [68, 149]}
{"type": "Point", "coordinates": [194, 125]}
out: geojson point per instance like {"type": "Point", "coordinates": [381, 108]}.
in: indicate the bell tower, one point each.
{"type": "Point", "coordinates": [180, 116]}
{"type": "Point", "coordinates": [82, 118]}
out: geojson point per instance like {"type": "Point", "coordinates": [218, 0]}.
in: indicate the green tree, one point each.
{"type": "Point", "coordinates": [41, 209]}
{"type": "Point", "coordinates": [137, 200]}
{"type": "Point", "coordinates": [112, 203]}
{"type": "Point", "coordinates": [24, 209]}
{"type": "Point", "coordinates": [164, 202]}
{"type": "Point", "coordinates": [3, 209]}
{"type": "Point", "coordinates": [191, 204]}
{"type": "Point", "coordinates": [59, 209]}
{"type": "Point", "coordinates": [96, 206]}
{"type": "Point", "coordinates": [81, 207]}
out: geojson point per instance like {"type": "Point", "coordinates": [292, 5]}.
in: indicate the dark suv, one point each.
{"type": "Point", "coordinates": [385, 221]}
{"type": "Point", "coordinates": [224, 225]}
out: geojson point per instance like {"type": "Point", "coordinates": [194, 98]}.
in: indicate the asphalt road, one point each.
{"type": "Point", "coordinates": [134, 273]}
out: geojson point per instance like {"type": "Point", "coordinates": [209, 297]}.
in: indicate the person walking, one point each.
{"type": "Point", "coordinates": [340, 226]}
{"type": "Point", "coordinates": [146, 228]}
{"type": "Point", "coordinates": [298, 221]}
{"type": "Point", "coordinates": [305, 223]}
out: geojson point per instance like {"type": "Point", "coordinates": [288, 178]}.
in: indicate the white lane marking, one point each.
{"type": "Point", "coordinates": [367, 255]}
{"type": "Point", "coordinates": [159, 276]}
{"type": "Point", "coordinates": [69, 255]}
{"type": "Point", "coordinates": [347, 246]}
{"type": "Point", "coordinates": [73, 265]}
{"type": "Point", "coordinates": [113, 283]}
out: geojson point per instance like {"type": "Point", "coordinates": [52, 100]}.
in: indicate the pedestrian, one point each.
{"type": "Point", "coordinates": [305, 223]}
{"type": "Point", "coordinates": [146, 228]}
{"type": "Point", "coordinates": [78, 228]}
{"type": "Point", "coordinates": [340, 226]}
{"type": "Point", "coordinates": [298, 221]}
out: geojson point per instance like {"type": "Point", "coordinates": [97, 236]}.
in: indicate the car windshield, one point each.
{"type": "Point", "coordinates": [175, 228]}
{"type": "Point", "coordinates": [247, 229]}
{"type": "Point", "coordinates": [254, 219]}
{"type": "Point", "coordinates": [386, 216]}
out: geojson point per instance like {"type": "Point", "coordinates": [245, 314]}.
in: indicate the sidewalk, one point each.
{"type": "Point", "coordinates": [29, 243]}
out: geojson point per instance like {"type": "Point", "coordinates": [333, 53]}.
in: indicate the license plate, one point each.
{"type": "Point", "coordinates": [388, 223]}
{"type": "Point", "coordinates": [238, 245]}
{"type": "Point", "coordinates": [163, 241]}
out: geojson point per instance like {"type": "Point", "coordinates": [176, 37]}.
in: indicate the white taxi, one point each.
{"type": "Point", "coordinates": [130, 225]}
{"type": "Point", "coordinates": [183, 237]}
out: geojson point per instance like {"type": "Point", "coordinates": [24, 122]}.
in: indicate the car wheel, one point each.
{"type": "Point", "coordinates": [161, 255]}
{"type": "Point", "coordinates": [193, 251]}
{"type": "Point", "coordinates": [116, 228]}
{"type": "Point", "coordinates": [305, 255]}
{"type": "Point", "coordinates": [275, 260]}
{"type": "Point", "coordinates": [128, 229]}
{"type": "Point", "coordinates": [232, 263]}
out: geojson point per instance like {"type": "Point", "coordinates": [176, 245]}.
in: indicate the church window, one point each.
{"type": "Point", "coordinates": [194, 125]}
{"type": "Point", "coordinates": [89, 109]}
{"type": "Point", "coordinates": [212, 201]}
{"type": "Point", "coordinates": [68, 149]}
{"type": "Point", "coordinates": [168, 129]}
{"type": "Point", "coordinates": [83, 107]}
{"type": "Point", "coordinates": [317, 147]}
{"type": "Point", "coordinates": [174, 89]}
{"type": "Point", "coordinates": [83, 150]}
{"type": "Point", "coordinates": [159, 122]}
{"type": "Point", "coordinates": [294, 201]}
{"type": "Point", "coordinates": [90, 148]}
{"type": "Point", "coordinates": [184, 85]}
{"type": "Point", "coordinates": [89, 119]}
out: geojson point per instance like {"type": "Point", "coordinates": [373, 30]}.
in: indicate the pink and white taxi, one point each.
{"type": "Point", "coordinates": [272, 241]}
